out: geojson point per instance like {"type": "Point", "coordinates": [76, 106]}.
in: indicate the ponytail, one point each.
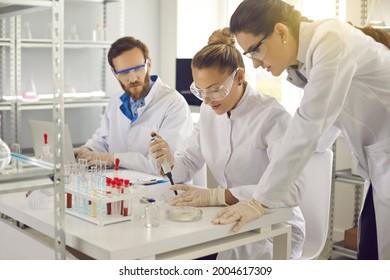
{"type": "Point", "coordinates": [378, 35]}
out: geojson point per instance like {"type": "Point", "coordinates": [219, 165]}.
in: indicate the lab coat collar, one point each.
{"type": "Point", "coordinates": [297, 75]}
{"type": "Point", "coordinates": [306, 33]}
{"type": "Point", "coordinates": [153, 92]}
{"type": "Point", "coordinates": [242, 104]}
{"type": "Point", "coordinates": [154, 81]}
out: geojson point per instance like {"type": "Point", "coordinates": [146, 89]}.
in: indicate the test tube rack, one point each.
{"type": "Point", "coordinates": [96, 204]}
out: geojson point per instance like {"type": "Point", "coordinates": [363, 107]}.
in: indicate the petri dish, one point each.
{"type": "Point", "coordinates": [184, 214]}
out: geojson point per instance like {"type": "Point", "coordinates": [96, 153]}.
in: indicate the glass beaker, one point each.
{"type": "Point", "coordinates": [30, 91]}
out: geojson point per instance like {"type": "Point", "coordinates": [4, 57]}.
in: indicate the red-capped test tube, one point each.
{"type": "Point", "coordinates": [108, 194]}
{"type": "Point", "coordinates": [126, 200]}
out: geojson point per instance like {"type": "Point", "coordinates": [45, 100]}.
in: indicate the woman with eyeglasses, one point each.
{"type": "Point", "coordinates": [236, 134]}
{"type": "Point", "coordinates": [345, 76]}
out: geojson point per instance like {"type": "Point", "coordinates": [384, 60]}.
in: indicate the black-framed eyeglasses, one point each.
{"type": "Point", "coordinates": [254, 52]}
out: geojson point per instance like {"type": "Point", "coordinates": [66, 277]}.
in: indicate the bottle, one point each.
{"type": "Point", "coordinates": [46, 150]}
{"type": "Point", "coordinates": [152, 214]}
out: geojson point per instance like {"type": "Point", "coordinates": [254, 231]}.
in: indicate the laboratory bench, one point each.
{"type": "Point", "coordinates": [130, 239]}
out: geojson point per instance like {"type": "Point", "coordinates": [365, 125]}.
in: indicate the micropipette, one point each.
{"type": "Point", "coordinates": [165, 165]}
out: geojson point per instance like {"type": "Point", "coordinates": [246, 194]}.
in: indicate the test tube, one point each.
{"type": "Point", "coordinates": [67, 175]}
{"type": "Point", "coordinates": [108, 195]}
{"type": "Point", "coordinates": [92, 186]}
{"type": "Point", "coordinates": [119, 194]}
{"type": "Point", "coordinates": [126, 200]}
{"type": "Point", "coordinates": [75, 179]}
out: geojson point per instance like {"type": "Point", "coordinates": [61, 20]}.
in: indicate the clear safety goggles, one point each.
{"type": "Point", "coordinates": [216, 92]}
{"type": "Point", "coordinates": [138, 71]}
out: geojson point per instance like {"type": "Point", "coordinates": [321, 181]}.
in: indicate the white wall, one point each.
{"type": "Point", "coordinates": [142, 20]}
{"type": "Point", "coordinates": [168, 41]}
{"type": "Point", "coordinates": [185, 28]}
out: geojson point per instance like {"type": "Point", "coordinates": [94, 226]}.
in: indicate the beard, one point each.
{"type": "Point", "coordinates": [137, 89]}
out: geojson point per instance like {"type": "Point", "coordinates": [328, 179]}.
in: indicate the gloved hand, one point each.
{"type": "Point", "coordinates": [79, 151]}
{"type": "Point", "coordinates": [94, 157]}
{"type": "Point", "coordinates": [242, 212]}
{"type": "Point", "coordinates": [159, 150]}
{"type": "Point", "coordinates": [195, 196]}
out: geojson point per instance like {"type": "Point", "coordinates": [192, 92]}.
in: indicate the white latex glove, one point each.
{"type": "Point", "coordinates": [242, 213]}
{"type": "Point", "coordinates": [159, 150]}
{"type": "Point", "coordinates": [195, 196]}
{"type": "Point", "coordinates": [94, 157]}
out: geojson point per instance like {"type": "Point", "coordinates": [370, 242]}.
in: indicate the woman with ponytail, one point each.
{"type": "Point", "coordinates": [236, 134]}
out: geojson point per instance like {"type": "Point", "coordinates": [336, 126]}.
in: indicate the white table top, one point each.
{"type": "Point", "coordinates": [131, 239]}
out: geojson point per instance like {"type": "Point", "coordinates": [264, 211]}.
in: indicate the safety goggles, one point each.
{"type": "Point", "coordinates": [255, 52]}
{"type": "Point", "coordinates": [139, 71]}
{"type": "Point", "coordinates": [216, 92]}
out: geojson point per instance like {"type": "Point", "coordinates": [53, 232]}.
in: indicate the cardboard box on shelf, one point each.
{"type": "Point", "coordinates": [350, 238]}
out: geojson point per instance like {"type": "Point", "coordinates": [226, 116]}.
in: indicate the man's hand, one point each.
{"type": "Point", "coordinates": [196, 196]}
{"type": "Point", "coordinates": [242, 213]}
{"type": "Point", "coordinates": [79, 151]}
{"type": "Point", "coordinates": [94, 157]}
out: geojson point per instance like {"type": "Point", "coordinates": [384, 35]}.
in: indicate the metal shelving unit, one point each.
{"type": "Point", "coordinates": [22, 6]}
{"type": "Point", "coordinates": [345, 176]}
{"type": "Point", "coordinates": [11, 101]}
{"type": "Point", "coordinates": [14, 43]}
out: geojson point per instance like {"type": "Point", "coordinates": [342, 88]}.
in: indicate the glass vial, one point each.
{"type": "Point", "coordinates": [5, 154]}
{"type": "Point", "coordinates": [152, 214]}
{"type": "Point", "coordinates": [26, 30]}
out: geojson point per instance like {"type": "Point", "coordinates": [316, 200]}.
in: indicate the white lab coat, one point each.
{"type": "Point", "coordinates": [237, 151]}
{"type": "Point", "coordinates": [165, 111]}
{"type": "Point", "coordinates": [348, 88]}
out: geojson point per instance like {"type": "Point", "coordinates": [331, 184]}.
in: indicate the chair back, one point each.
{"type": "Point", "coordinates": [315, 203]}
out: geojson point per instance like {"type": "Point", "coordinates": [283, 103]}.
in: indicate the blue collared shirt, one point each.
{"type": "Point", "coordinates": [130, 106]}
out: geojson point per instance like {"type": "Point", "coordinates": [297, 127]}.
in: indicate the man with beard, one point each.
{"type": "Point", "coordinates": [146, 105]}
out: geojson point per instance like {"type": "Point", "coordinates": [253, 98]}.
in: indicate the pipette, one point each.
{"type": "Point", "coordinates": [165, 165]}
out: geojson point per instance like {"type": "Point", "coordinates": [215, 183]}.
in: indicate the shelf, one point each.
{"type": "Point", "coordinates": [338, 248]}
{"type": "Point", "coordinates": [48, 104]}
{"type": "Point", "coordinates": [30, 178]}
{"type": "Point", "coordinates": [5, 42]}
{"type": "Point", "coordinates": [20, 7]}
{"type": "Point", "coordinates": [71, 100]}
{"type": "Point", "coordinates": [75, 103]}
{"type": "Point", "coordinates": [47, 43]}
{"type": "Point", "coordinates": [5, 106]}
{"type": "Point", "coordinates": [346, 176]}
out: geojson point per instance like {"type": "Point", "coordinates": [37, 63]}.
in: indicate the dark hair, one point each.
{"type": "Point", "coordinates": [260, 16]}
{"type": "Point", "coordinates": [220, 52]}
{"type": "Point", "coordinates": [125, 44]}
